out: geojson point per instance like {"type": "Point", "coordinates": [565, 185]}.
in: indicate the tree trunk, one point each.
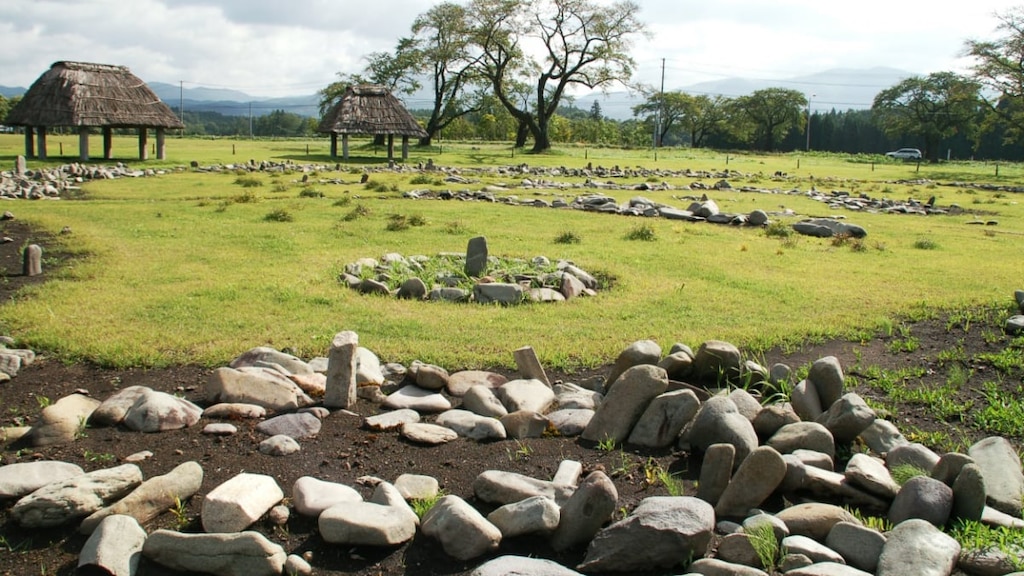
{"type": "Point", "coordinates": [425, 141]}
{"type": "Point", "coordinates": [522, 132]}
{"type": "Point", "coordinates": [541, 141]}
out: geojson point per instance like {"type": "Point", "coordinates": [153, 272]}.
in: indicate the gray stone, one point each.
{"type": "Point", "coordinates": [153, 497]}
{"type": "Point", "coordinates": [65, 500]}
{"type": "Point", "coordinates": [424, 433]}
{"type": "Point", "coordinates": [417, 486]}
{"type": "Point", "coordinates": [463, 532]}
{"type": "Point", "coordinates": [755, 480]}
{"type": "Point", "coordinates": [481, 400]}
{"type": "Point", "coordinates": [62, 421]}
{"type": "Point", "coordinates": [949, 466]}
{"type": "Point", "coordinates": [859, 545]}
{"type": "Point", "coordinates": [716, 362]}
{"type": "Point", "coordinates": [341, 384]}
{"type": "Point", "coordinates": [717, 422]}
{"type": "Point", "coordinates": [279, 445]}
{"type": "Point", "coordinates": [745, 403]}
{"type": "Point", "coordinates": [365, 524]}
{"type": "Point", "coordinates": [530, 395]}
{"type": "Point", "coordinates": [234, 411]}
{"type": "Point", "coordinates": [924, 498]}
{"type": "Point", "coordinates": [570, 286]}
{"type": "Point", "coordinates": [1014, 324]}
{"type": "Point", "coordinates": [238, 554]}
{"type": "Point", "coordinates": [871, 474]}
{"type": "Point", "coordinates": [530, 516]}
{"type": "Point", "coordinates": [460, 382]}
{"type": "Point", "coordinates": [158, 412]}
{"type": "Point", "coordinates": [919, 548]}
{"type": "Point", "coordinates": [715, 472]}
{"type": "Point", "coordinates": [570, 421]}
{"type": "Point", "coordinates": [476, 257]}
{"type": "Point", "coordinates": [115, 547]}
{"type": "Point", "coordinates": [659, 533]}
{"type": "Point", "coordinates": [311, 496]}
{"type": "Point", "coordinates": [814, 519]}
{"type": "Point", "coordinates": [882, 437]}
{"type": "Point", "coordinates": [265, 355]}
{"type": "Point", "coordinates": [798, 544]}
{"type": "Point", "coordinates": [623, 405]}
{"type": "Point", "coordinates": [529, 365]}
{"type": "Point", "coordinates": [235, 386]}
{"type": "Point", "coordinates": [916, 455]}
{"type": "Point", "coordinates": [664, 418]}
{"type": "Point", "coordinates": [431, 377]}
{"type": "Point", "coordinates": [805, 401]}
{"type": "Point", "coordinates": [716, 567]}
{"type": "Point", "coordinates": [298, 425]}
{"type": "Point", "coordinates": [827, 569]}
{"type": "Point", "coordinates": [969, 494]}
{"type": "Point", "coordinates": [296, 565]}
{"type": "Point", "coordinates": [524, 424]}
{"type": "Point", "coordinates": [386, 494]}
{"type": "Point", "coordinates": [773, 417]}
{"type": "Point", "coordinates": [234, 505]}
{"type": "Point", "coordinates": [391, 420]}
{"type": "Point", "coordinates": [638, 353]}
{"type": "Point", "coordinates": [368, 368]}
{"type": "Point", "coordinates": [826, 375]}
{"type": "Point", "coordinates": [847, 417]}
{"type": "Point", "coordinates": [470, 425]}
{"type": "Point", "coordinates": [805, 436]}
{"type": "Point", "coordinates": [500, 487]}
{"type": "Point", "coordinates": [112, 411]}
{"type": "Point", "coordinates": [10, 364]}
{"type": "Point", "coordinates": [449, 295]}
{"type": "Point", "coordinates": [583, 514]}
{"type": "Point", "coordinates": [572, 396]}
{"type": "Point", "coordinates": [678, 365]}
{"type": "Point", "coordinates": [220, 429]}
{"type": "Point", "coordinates": [498, 293]}
{"type": "Point", "coordinates": [21, 478]}
{"type": "Point", "coordinates": [522, 566]}
{"type": "Point", "coordinates": [32, 260]}
{"type": "Point", "coordinates": [412, 289]}
{"type": "Point", "coordinates": [418, 399]}
{"type": "Point", "coordinates": [1001, 467]}
{"type": "Point", "coordinates": [736, 548]}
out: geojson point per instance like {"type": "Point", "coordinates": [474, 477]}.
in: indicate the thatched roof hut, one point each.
{"type": "Point", "coordinates": [373, 110]}
{"type": "Point", "coordinates": [84, 95]}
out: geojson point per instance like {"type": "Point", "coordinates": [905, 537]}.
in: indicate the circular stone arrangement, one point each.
{"type": "Point", "coordinates": [471, 277]}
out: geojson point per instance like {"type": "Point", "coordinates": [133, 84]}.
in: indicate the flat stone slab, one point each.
{"type": "Point", "coordinates": [21, 478]}
{"type": "Point", "coordinates": [430, 434]}
{"type": "Point", "coordinates": [236, 504]}
{"type": "Point", "coordinates": [418, 399]}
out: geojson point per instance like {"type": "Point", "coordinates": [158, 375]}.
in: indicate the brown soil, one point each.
{"type": "Point", "coordinates": [344, 452]}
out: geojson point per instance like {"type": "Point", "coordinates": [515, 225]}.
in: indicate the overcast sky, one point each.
{"type": "Point", "coordinates": [293, 47]}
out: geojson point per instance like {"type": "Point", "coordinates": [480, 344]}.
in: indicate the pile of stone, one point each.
{"type": "Point", "coordinates": [52, 183]}
{"type": "Point", "coordinates": [705, 401]}
{"type": "Point", "coordinates": [471, 277]}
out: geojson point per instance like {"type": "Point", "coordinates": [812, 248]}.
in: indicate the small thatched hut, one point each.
{"type": "Point", "coordinates": [373, 110]}
{"type": "Point", "coordinates": [86, 96]}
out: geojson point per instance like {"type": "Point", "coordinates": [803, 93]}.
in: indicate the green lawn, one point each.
{"type": "Point", "coordinates": [186, 268]}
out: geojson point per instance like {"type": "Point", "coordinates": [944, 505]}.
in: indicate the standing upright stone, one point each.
{"type": "Point", "coordinates": [529, 365]}
{"type": "Point", "coordinates": [32, 265]}
{"type": "Point", "coordinates": [341, 371]}
{"type": "Point", "coordinates": [19, 165]}
{"type": "Point", "coordinates": [476, 256]}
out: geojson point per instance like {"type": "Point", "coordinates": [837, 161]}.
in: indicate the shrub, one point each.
{"type": "Point", "coordinates": [358, 212]}
{"type": "Point", "coordinates": [278, 215]}
{"type": "Point", "coordinates": [925, 244]}
{"type": "Point", "coordinates": [778, 230]}
{"type": "Point", "coordinates": [567, 237]}
{"type": "Point", "coordinates": [280, 187]}
{"type": "Point", "coordinates": [425, 180]}
{"type": "Point", "coordinates": [455, 228]}
{"type": "Point", "coordinates": [245, 198]}
{"type": "Point", "coordinates": [397, 223]}
{"type": "Point", "coordinates": [310, 192]}
{"type": "Point", "coordinates": [343, 201]}
{"type": "Point", "coordinates": [248, 181]}
{"type": "Point", "coordinates": [642, 232]}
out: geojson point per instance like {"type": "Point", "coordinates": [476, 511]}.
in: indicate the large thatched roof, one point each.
{"type": "Point", "coordinates": [91, 95]}
{"type": "Point", "coordinates": [370, 109]}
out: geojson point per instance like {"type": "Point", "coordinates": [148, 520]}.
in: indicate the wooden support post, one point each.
{"type": "Point", "coordinates": [143, 144]}
{"type": "Point", "coordinates": [391, 146]}
{"type": "Point", "coordinates": [344, 146]}
{"type": "Point", "coordinates": [41, 142]}
{"type": "Point", "coordinates": [83, 143]}
{"type": "Point", "coordinates": [161, 144]}
{"type": "Point", "coordinates": [108, 143]}
{"type": "Point", "coordinates": [30, 142]}
{"type": "Point", "coordinates": [334, 144]}
{"type": "Point", "coordinates": [405, 147]}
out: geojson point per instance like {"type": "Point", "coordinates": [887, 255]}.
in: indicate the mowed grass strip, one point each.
{"type": "Point", "coordinates": [188, 268]}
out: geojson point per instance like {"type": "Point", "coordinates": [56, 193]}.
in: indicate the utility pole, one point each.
{"type": "Point", "coordinates": [809, 122]}
{"type": "Point", "coordinates": [661, 106]}
{"type": "Point", "coordinates": [250, 120]}
{"type": "Point", "coordinates": [181, 104]}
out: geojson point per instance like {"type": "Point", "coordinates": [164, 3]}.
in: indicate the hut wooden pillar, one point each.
{"type": "Point", "coordinates": [108, 143]}
{"type": "Point", "coordinates": [143, 143]}
{"type": "Point", "coordinates": [30, 142]}
{"type": "Point", "coordinates": [391, 146]}
{"type": "Point", "coordinates": [161, 144]}
{"type": "Point", "coordinates": [41, 142]}
{"type": "Point", "coordinates": [405, 147]}
{"type": "Point", "coordinates": [344, 146]}
{"type": "Point", "coordinates": [334, 144]}
{"type": "Point", "coordinates": [83, 143]}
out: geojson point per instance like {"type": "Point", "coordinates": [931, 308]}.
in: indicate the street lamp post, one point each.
{"type": "Point", "coordinates": [809, 122]}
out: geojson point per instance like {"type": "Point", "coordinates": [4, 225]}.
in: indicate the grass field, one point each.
{"type": "Point", "coordinates": [187, 267]}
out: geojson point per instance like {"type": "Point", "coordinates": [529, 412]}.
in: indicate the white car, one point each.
{"type": "Point", "coordinates": [905, 154]}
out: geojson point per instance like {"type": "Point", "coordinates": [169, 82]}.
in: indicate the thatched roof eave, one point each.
{"type": "Point", "coordinates": [372, 110]}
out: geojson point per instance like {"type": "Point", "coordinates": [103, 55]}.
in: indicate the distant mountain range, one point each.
{"type": "Point", "coordinates": [839, 88]}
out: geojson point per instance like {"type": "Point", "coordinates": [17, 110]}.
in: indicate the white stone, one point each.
{"type": "Point", "coordinates": [237, 503]}
{"type": "Point", "coordinates": [311, 496]}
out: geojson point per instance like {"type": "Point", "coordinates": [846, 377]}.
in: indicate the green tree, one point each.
{"type": "Point", "coordinates": [397, 71]}
{"type": "Point", "coordinates": [581, 43]}
{"type": "Point", "coordinates": [932, 108]}
{"type": "Point", "coordinates": [6, 104]}
{"type": "Point", "coordinates": [999, 68]}
{"type": "Point", "coordinates": [442, 39]}
{"type": "Point", "coordinates": [698, 115]}
{"type": "Point", "coordinates": [771, 113]}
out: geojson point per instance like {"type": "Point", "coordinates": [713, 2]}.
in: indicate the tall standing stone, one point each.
{"type": "Point", "coordinates": [341, 371]}
{"type": "Point", "coordinates": [476, 256]}
{"type": "Point", "coordinates": [32, 264]}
